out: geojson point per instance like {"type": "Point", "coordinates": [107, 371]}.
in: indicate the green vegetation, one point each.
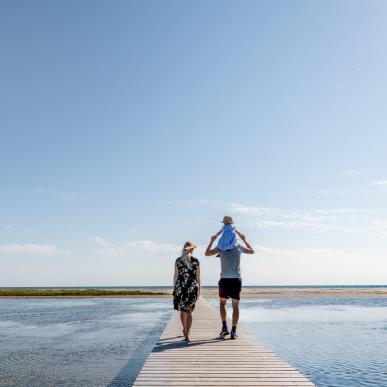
{"type": "Point", "coordinates": [77, 293]}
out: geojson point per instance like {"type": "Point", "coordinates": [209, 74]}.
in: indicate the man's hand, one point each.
{"type": "Point", "coordinates": [249, 249]}
{"type": "Point", "coordinates": [209, 250]}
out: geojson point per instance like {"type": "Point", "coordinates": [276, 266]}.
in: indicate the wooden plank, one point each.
{"type": "Point", "coordinates": [209, 360]}
{"type": "Point", "coordinates": [223, 383]}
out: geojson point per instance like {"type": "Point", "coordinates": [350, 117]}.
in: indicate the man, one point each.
{"type": "Point", "coordinates": [230, 283]}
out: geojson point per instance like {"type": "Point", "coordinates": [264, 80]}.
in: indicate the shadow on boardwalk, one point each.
{"type": "Point", "coordinates": [163, 345]}
{"type": "Point", "coordinates": [129, 372]}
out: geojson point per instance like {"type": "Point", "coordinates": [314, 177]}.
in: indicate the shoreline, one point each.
{"type": "Point", "coordinates": [206, 292]}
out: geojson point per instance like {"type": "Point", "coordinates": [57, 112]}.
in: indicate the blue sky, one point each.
{"type": "Point", "coordinates": [129, 127]}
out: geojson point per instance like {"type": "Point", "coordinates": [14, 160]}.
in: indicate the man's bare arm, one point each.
{"type": "Point", "coordinates": [209, 250]}
{"type": "Point", "coordinates": [249, 249]}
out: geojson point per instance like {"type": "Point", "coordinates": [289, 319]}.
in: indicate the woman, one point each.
{"type": "Point", "coordinates": [186, 286]}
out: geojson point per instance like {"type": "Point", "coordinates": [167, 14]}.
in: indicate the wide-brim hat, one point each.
{"type": "Point", "coordinates": [227, 220]}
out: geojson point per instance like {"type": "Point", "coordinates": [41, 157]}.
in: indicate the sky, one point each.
{"type": "Point", "coordinates": [129, 127]}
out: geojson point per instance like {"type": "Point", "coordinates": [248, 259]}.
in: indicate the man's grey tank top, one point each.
{"type": "Point", "coordinates": [230, 262]}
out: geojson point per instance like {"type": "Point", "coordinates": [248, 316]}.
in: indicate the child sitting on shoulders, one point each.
{"type": "Point", "coordinates": [228, 240]}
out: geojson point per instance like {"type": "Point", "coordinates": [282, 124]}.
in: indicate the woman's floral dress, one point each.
{"type": "Point", "coordinates": [186, 290]}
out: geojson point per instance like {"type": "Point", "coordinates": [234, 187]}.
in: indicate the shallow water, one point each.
{"type": "Point", "coordinates": [335, 342]}
{"type": "Point", "coordinates": [77, 342]}
{"type": "Point", "coordinates": [104, 342]}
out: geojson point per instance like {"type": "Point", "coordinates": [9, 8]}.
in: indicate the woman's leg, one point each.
{"type": "Point", "coordinates": [183, 319]}
{"type": "Point", "coordinates": [188, 323]}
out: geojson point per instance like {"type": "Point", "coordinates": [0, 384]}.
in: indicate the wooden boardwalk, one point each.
{"type": "Point", "coordinates": [212, 361]}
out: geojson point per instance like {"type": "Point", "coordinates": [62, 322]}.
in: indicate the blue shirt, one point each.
{"type": "Point", "coordinates": [228, 240]}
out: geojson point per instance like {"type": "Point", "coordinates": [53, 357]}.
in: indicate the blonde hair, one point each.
{"type": "Point", "coordinates": [186, 253]}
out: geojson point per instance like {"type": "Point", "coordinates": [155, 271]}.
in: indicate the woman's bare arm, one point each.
{"type": "Point", "coordinates": [175, 276]}
{"type": "Point", "coordinates": [198, 276]}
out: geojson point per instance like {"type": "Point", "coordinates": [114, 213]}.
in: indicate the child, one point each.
{"type": "Point", "coordinates": [228, 240]}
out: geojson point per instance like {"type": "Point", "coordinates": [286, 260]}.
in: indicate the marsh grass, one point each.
{"type": "Point", "coordinates": [78, 293]}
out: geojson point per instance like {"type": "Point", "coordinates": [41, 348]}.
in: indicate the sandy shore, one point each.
{"type": "Point", "coordinates": [305, 292]}
{"type": "Point", "coordinates": [251, 292]}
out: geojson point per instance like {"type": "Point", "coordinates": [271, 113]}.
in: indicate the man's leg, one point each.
{"type": "Point", "coordinates": [223, 316]}
{"type": "Point", "coordinates": [236, 291]}
{"type": "Point", "coordinates": [235, 313]}
{"type": "Point", "coordinates": [222, 308]}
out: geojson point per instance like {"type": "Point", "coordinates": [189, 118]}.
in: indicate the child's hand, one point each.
{"type": "Point", "coordinates": [214, 237]}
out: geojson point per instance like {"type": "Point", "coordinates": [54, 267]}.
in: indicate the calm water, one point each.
{"type": "Point", "coordinates": [103, 342]}
{"type": "Point", "coordinates": [335, 342]}
{"type": "Point", "coordinates": [77, 342]}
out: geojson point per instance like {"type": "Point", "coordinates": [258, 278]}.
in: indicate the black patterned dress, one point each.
{"type": "Point", "coordinates": [186, 290]}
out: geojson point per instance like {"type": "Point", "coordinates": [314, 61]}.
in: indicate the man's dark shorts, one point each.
{"type": "Point", "coordinates": [230, 288]}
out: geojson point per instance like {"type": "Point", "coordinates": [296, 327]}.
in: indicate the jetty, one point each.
{"type": "Point", "coordinates": [208, 360]}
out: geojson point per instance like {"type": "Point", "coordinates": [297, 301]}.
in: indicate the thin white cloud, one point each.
{"type": "Point", "coordinates": [346, 220]}
{"type": "Point", "coordinates": [237, 208]}
{"type": "Point", "coordinates": [53, 193]}
{"type": "Point", "coordinates": [379, 184]}
{"type": "Point", "coordinates": [101, 242]}
{"type": "Point", "coordinates": [350, 189]}
{"type": "Point", "coordinates": [6, 227]}
{"type": "Point", "coordinates": [350, 220]}
{"type": "Point", "coordinates": [151, 247]}
{"type": "Point", "coordinates": [289, 253]}
{"type": "Point", "coordinates": [351, 172]}
{"type": "Point", "coordinates": [337, 219]}
{"type": "Point", "coordinates": [134, 247]}
{"type": "Point", "coordinates": [378, 228]}
{"type": "Point", "coordinates": [31, 249]}
{"type": "Point", "coordinates": [377, 187]}
{"type": "Point", "coordinates": [312, 266]}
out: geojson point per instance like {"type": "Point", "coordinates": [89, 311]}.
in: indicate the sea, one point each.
{"type": "Point", "coordinates": [105, 341]}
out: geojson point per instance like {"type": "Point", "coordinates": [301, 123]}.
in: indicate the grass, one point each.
{"type": "Point", "coordinates": [76, 293]}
